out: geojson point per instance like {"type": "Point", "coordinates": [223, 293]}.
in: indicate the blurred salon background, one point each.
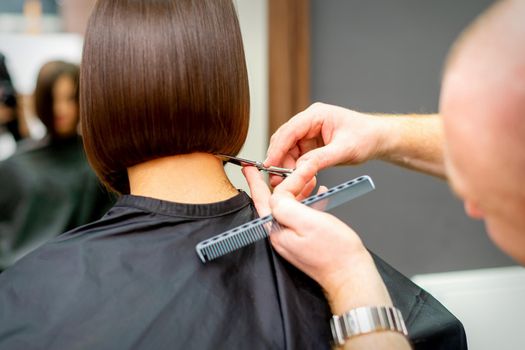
{"type": "Point", "coordinates": [46, 184]}
{"type": "Point", "coordinates": [373, 56]}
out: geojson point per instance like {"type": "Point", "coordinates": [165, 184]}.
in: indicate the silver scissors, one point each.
{"type": "Point", "coordinates": [283, 172]}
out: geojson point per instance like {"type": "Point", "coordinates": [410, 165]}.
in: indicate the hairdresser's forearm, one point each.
{"type": "Point", "coordinates": [415, 142]}
{"type": "Point", "coordinates": [361, 285]}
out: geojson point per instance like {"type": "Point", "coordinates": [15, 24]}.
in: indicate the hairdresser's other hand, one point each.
{"type": "Point", "coordinates": [328, 134]}
{"type": "Point", "coordinates": [327, 250]}
{"type": "Point", "coordinates": [318, 243]}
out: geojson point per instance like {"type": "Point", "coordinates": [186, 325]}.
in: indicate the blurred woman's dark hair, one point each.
{"type": "Point", "coordinates": [170, 89]}
{"type": "Point", "coordinates": [7, 95]}
{"type": "Point", "coordinates": [8, 98]}
{"type": "Point", "coordinates": [43, 95]}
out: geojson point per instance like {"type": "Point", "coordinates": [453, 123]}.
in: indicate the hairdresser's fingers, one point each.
{"type": "Point", "coordinates": [294, 215]}
{"type": "Point", "coordinates": [302, 125]}
{"type": "Point", "coordinates": [321, 205]}
{"type": "Point", "coordinates": [289, 161]}
{"type": "Point", "coordinates": [307, 190]}
{"type": "Point", "coordinates": [306, 145]}
{"type": "Point", "coordinates": [259, 190]}
{"type": "Point", "coordinates": [286, 238]}
{"type": "Point", "coordinates": [275, 180]}
{"type": "Point", "coordinates": [324, 157]}
{"type": "Point", "coordinates": [300, 179]}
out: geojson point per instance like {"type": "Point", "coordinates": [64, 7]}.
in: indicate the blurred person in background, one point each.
{"type": "Point", "coordinates": [9, 118]}
{"type": "Point", "coordinates": [47, 186]}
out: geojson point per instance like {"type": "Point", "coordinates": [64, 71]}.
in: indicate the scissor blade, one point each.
{"type": "Point", "coordinates": [238, 161]}
{"type": "Point", "coordinates": [259, 165]}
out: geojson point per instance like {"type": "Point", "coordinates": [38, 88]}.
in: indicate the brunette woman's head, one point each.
{"type": "Point", "coordinates": [56, 98]}
{"type": "Point", "coordinates": [160, 78]}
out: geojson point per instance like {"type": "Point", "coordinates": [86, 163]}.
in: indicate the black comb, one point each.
{"type": "Point", "coordinates": [258, 229]}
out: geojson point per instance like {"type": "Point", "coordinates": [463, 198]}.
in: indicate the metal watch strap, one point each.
{"type": "Point", "coordinates": [366, 319]}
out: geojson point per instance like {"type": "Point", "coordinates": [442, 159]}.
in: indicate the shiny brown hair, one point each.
{"type": "Point", "coordinates": [43, 95]}
{"type": "Point", "coordinates": [161, 78]}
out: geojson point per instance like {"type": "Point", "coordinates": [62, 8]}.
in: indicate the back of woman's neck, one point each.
{"type": "Point", "coordinates": [189, 178]}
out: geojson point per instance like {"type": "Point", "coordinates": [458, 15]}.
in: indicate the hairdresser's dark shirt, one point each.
{"type": "Point", "coordinates": [133, 281]}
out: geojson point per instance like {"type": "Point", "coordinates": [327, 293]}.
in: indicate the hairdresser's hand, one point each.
{"type": "Point", "coordinates": [328, 134]}
{"type": "Point", "coordinates": [302, 186]}
{"type": "Point", "coordinates": [319, 244]}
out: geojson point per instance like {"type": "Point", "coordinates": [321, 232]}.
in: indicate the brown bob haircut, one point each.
{"type": "Point", "coordinates": [160, 78]}
{"type": "Point", "coordinates": [43, 95]}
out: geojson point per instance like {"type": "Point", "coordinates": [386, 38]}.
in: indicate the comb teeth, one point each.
{"type": "Point", "coordinates": [255, 230]}
{"type": "Point", "coordinates": [234, 239]}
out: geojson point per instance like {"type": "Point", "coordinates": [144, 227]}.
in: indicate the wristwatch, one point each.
{"type": "Point", "coordinates": [366, 320]}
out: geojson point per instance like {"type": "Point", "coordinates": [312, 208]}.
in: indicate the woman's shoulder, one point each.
{"type": "Point", "coordinates": [147, 257]}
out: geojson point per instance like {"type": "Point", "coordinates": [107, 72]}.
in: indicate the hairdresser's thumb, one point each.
{"type": "Point", "coordinates": [295, 215]}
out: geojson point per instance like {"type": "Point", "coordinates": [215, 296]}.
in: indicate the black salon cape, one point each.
{"type": "Point", "coordinates": [132, 280]}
